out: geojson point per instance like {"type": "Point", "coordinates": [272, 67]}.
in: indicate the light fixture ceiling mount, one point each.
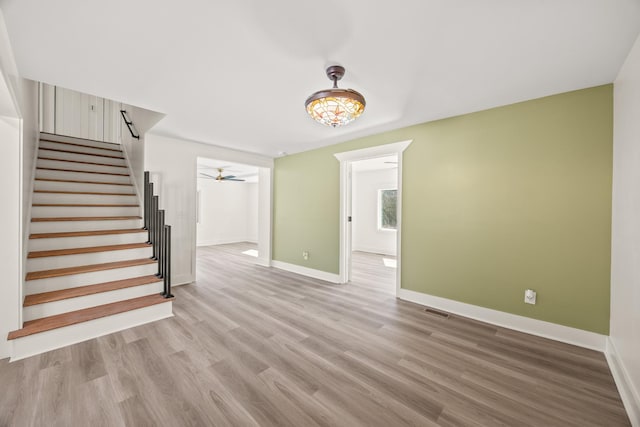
{"type": "Point", "coordinates": [335, 107]}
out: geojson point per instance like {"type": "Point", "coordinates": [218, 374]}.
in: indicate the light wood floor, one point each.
{"type": "Point", "coordinates": [369, 270]}
{"type": "Point", "coordinates": [254, 346]}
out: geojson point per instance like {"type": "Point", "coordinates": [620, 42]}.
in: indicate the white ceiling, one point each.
{"type": "Point", "coordinates": [236, 73]}
{"type": "Point", "coordinates": [210, 167]}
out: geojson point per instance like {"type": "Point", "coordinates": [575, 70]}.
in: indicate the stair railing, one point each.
{"type": "Point", "coordinates": [130, 125]}
{"type": "Point", "coordinates": [159, 235]}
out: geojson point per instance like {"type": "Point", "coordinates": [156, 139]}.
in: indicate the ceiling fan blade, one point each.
{"type": "Point", "coordinates": [233, 179]}
{"type": "Point", "coordinates": [228, 177]}
{"type": "Point", "coordinates": [207, 175]}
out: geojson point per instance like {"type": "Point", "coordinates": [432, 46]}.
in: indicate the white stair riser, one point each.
{"type": "Point", "coordinates": [80, 157]}
{"type": "Point", "coordinates": [72, 304]}
{"type": "Point", "coordinates": [61, 337]}
{"type": "Point", "coordinates": [80, 186]}
{"type": "Point", "coordinates": [66, 211]}
{"type": "Point", "coordinates": [88, 142]}
{"type": "Point", "coordinates": [75, 280]}
{"type": "Point", "coordinates": [77, 260]}
{"type": "Point", "coordinates": [84, 198]}
{"type": "Point", "coordinates": [63, 226]}
{"type": "Point", "coordinates": [60, 164]}
{"type": "Point", "coordinates": [81, 149]}
{"type": "Point", "coordinates": [86, 241]}
{"type": "Point", "coordinates": [82, 176]}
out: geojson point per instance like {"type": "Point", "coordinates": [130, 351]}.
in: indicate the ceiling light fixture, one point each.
{"type": "Point", "coordinates": [335, 107]}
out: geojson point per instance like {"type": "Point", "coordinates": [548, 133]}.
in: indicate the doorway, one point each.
{"type": "Point", "coordinates": [374, 188]}
{"type": "Point", "coordinates": [229, 217]}
{"type": "Point", "coordinates": [385, 200]}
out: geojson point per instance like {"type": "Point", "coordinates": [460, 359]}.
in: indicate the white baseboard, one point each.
{"type": "Point", "coordinates": [566, 334]}
{"type": "Point", "coordinates": [305, 271]}
{"type": "Point", "coordinates": [373, 250]}
{"type": "Point", "coordinates": [182, 279]}
{"type": "Point", "coordinates": [214, 242]}
{"type": "Point", "coordinates": [628, 393]}
{"type": "Point", "coordinates": [265, 262]}
{"type": "Point", "coordinates": [185, 282]}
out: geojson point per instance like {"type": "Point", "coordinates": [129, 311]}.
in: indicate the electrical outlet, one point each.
{"type": "Point", "coordinates": [305, 255]}
{"type": "Point", "coordinates": [530, 296]}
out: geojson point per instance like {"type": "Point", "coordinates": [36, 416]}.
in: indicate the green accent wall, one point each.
{"type": "Point", "coordinates": [494, 202]}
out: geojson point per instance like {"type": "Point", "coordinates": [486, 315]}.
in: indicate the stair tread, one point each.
{"type": "Point", "coordinates": [74, 137]}
{"type": "Point", "coordinates": [81, 171]}
{"type": "Point", "coordinates": [86, 233]}
{"type": "Point", "coordinates": [67, 271]}
{"type": "Point", "coordinates": [96, 193]}
{"type": "Point", "coordinates": [81, 145]}
{"type": "Point", "coordinates": [73, 317]}
{"type": "Point", "coordinates": [81, 162]}
{"type": "Point", "coordinates": [85, 218]}
{"type": "Point", "coordinates": [81, 291]}
{"type": "Point", "coordinates": [87, 205]}
{"type": "Point", "coordinates": [80, 152]}
{"type": "Point", "coordinates": [82, 182]}
{"type": "Point", "coordinates": [88, 250]}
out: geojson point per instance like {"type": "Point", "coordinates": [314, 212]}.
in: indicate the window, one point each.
{"type": "Point", "coordinates": [387, 200]}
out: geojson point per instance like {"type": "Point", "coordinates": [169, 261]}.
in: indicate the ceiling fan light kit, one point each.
{"type": "Point", "coordinates": [335, 107]}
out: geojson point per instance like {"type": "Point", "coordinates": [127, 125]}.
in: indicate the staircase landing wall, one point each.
{"type": "Point", "coordinates": [18, 145]}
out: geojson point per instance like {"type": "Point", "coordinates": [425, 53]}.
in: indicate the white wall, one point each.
{"type": "Point", "coordinates": [133, 148]}
{"type": "Point", "coordinates": [173, 162]}
{"type": "Point", "coordinates": [10, 217]}
{"type": "Point", "coordinates": [624, 349]}
{"type": "Point", "coordinates": [228, 212]}
{"type": "Point", "coordinates": [18, 141]}
{"type": "Point", "coordinates": [365, 233]}
{"type": "Point", "coordinates": [253, 209]}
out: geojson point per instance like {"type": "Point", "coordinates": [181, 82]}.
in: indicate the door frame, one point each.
{"type": "Point", "coordinates": [346, 158]}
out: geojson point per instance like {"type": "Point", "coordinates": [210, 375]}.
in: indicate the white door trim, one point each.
{"type": "Point", "coordinates": [345, 159]}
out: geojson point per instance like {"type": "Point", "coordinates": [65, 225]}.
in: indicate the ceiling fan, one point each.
{"type": "Point", "coordinates": [220, 177]}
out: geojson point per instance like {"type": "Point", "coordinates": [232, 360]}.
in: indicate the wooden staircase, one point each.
{"type": "Point", "coordinates": [89, 266]}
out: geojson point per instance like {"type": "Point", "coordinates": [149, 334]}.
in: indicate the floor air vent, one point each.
{"type": "Point", "coordinates": [437, 313]}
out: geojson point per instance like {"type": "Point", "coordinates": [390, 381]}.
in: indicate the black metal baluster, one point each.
{"type": "Point", "coordinates": [146, 200]}
{"type": "Point", "coordinates": [154, 219]}
{"type": "Point", "coordinates": [149, 215]}
{"type": "Point", "coordinates": [167, 260]}
{"type": "Point", "coordinates": [161, 243]}
{"type": "Point", "coordinates": [159, 235]}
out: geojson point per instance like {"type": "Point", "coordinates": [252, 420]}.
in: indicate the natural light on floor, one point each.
{"type": "Point", "coordinates": [251, 252]}
{"type": "Point", "coordinates": [388, 262]}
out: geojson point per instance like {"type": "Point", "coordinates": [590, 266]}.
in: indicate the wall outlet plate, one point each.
{"type": "Point", "coordinates": [305, 255]}
{"type": "Point", "coordinates": [530, 296]}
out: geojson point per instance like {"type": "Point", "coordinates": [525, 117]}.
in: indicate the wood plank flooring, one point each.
{"type": "Point", "coordinates": [370, 270]}
{"type": "Point", "coordinates": [253, 346]}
